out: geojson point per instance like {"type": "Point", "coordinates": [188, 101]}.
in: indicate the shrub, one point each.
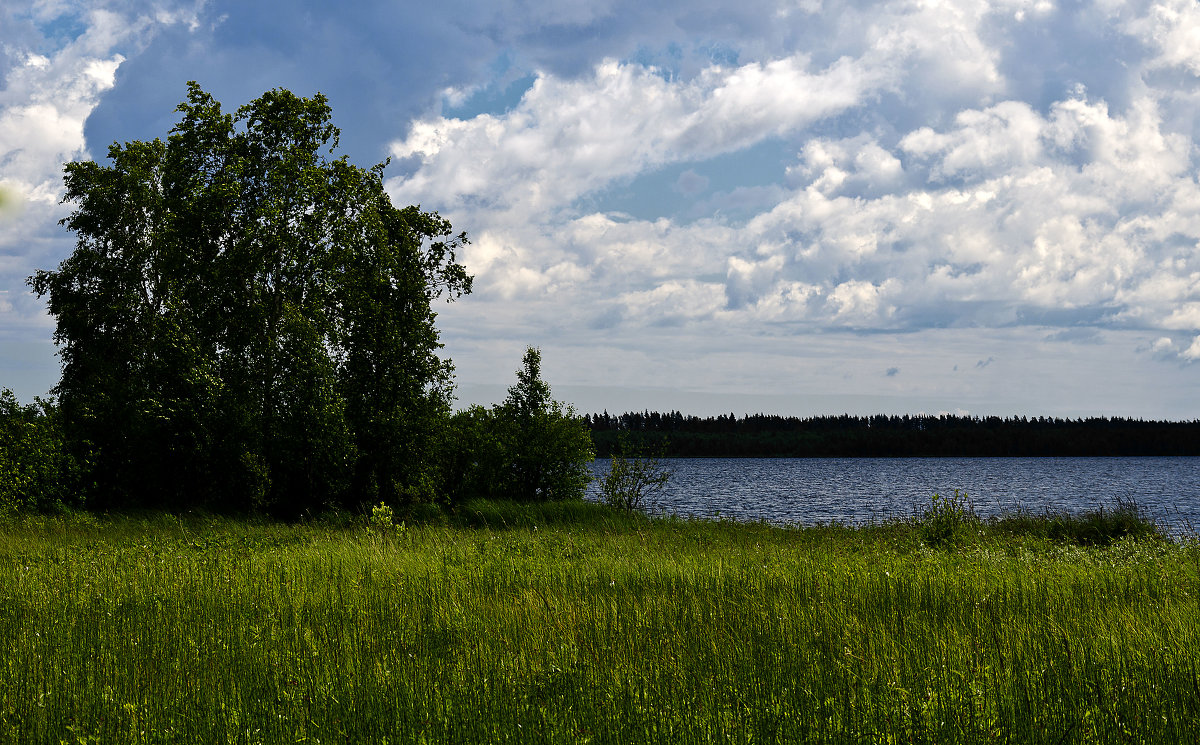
{"type": "Point", "coordinates": [631, 477]}
{"type": "Point", "coordinates": [35, 470]}
{"type": "Point", "coordinates": [948, 522]}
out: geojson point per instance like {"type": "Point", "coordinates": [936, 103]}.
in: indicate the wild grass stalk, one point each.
{"type": "Point", "coordinates": [575, 623]}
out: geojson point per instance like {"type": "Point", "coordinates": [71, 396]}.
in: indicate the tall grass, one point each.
{"type": "Point", "coordinates": [574, 623]}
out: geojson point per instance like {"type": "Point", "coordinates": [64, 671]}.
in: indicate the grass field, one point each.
{"type": "Point", "coordinates": [574, 623]}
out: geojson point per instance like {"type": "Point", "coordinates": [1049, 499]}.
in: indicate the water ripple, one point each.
{"type": "Point", "coordinates": [807, 491]}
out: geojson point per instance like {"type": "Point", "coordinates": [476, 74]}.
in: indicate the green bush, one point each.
{"type": "Point", "coordinates": [473, 455]}
{"type": "Point", "coordinates": [632, 477]}
{"type": "Point", "coordinates": [529, 448]}
{"type": "Point", "coordinates": [949, 521]}
{"type": "Point", "coordinates": [35, 470]}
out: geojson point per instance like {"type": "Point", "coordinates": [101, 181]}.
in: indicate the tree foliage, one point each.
{"type": "Point", "coordinates": [529, 448]}
{"type": "Point", "coordinates": [34, 466]}
{"type": "Point", "coordinates": [763, 435]}
{"type": "Point", "coordinates": [247, 322]}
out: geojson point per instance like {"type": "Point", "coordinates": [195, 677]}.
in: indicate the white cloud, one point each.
{"type": "Point", "coordinates": [675, 301]}
{"type": "Point", "coordinates": [1004, 215]}
{"type": "Point", "coordinates": [1173, 29]}
{"type": "Point", "coordinates": [42, 110]}
{"type": "Point", "coordinates": [1007, 213]}
{"type": "Point", "coordinates": [1002, 137]}
{"type": "Point", "coordinates": [1192, 352]}
{"type": "Point", "coordinates": [48, 93]}
{"type": "Point", "coordinates": [859, 303]}
{"type": "Point", "coordinates": [568, 137]}
{"type": "Point", "coordinates": [1029, 226]}
{"type": "Point", "coordinates": [749, 280]}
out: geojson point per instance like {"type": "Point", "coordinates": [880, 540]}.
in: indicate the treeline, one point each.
{"type": "Point", "coordinates": [760, 435]}
{"type": "Point", "coordinates": [527, 448]}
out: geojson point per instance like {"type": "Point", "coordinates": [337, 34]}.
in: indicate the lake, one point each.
{"type": "Point", "coordinates": [806, 491]}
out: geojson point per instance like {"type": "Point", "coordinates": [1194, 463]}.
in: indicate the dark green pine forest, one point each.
{"type": "Point", "coordinates": [845, 436]}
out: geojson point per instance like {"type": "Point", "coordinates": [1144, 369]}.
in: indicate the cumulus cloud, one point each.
{"type": "Point", "coordinates": [1193, 351]}
{"type": "Point", "coordinates": [53, 81]}
{"type": "Point", "coordinates": [1004, 215]}
{"type": "Point", "coordinates": [1172, 29]}
{"type": "Point", "coordinates": [1009, 211]}
{"type": "Point", "coordinates": [1003, 137]}
{"type": "Point", "coordinates": [675, 301]}
{"type": "Point", "coordinates": [1021, 167]}
{"type": "Point", "coordinates": [569, 137]}
{"type": "Point", "coordinates": [44, 104]}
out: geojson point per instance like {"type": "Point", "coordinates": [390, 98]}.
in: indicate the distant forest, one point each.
{"type": "Point", "coordinates": [675, 435]}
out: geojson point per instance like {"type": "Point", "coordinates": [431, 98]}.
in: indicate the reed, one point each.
{"type": "Point", "coordinates": [575, 623]}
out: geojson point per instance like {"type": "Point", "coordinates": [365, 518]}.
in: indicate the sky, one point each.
{"type": "Point", "coordinates": [800, 207]}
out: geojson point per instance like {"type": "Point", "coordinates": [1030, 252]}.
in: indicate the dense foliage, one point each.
{"type": "Point", "coordinates": [528, 448]}
{"type": "Point", "coordinates": [764, 435]}
{"type": "Point", "coordinates": [246, 323]}
{"type": "Point", "coordinates": [35, 470]}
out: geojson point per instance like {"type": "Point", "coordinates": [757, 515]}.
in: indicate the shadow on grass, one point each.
{"type": "Point", "coordinates": [507, 515]}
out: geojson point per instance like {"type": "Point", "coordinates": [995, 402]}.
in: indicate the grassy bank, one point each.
{"type": "Point", "coordinates": [572, 623]}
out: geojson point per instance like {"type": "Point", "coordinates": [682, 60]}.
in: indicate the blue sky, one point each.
{"type": "Point", "coordinates": [800, 206]}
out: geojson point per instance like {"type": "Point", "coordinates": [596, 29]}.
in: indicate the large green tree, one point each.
{"type": "Point", "coordinates": [246, 321]}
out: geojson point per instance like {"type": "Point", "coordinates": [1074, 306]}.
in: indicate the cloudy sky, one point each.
{"type": "Point", "coordinates": [791, 206]}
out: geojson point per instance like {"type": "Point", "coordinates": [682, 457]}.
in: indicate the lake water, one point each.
{"type": "Point", "coordinates": [806, 491]}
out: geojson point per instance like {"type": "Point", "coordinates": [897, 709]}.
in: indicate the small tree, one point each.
{"type": "Point", "coordinates": [631, 478]}
{"type": "Point", "coordinates": [528, 448]}
{"type": "Point", "coordinates": [546, 444]}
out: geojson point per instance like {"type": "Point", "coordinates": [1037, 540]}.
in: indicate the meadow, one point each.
{"type": "Point", "coordinates": [573, 622]}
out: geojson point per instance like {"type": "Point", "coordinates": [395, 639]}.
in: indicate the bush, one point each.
{"type": "Point", "coordinates": [473, 456]}
{"type": "Point", "coordinates": [35, 470]}
{"type": "Point", "coordinates": [949, 521]}
{"type": "Point", "coordinates": [631, 477]}
{"type": "Point", "coordinates": [529, 448]}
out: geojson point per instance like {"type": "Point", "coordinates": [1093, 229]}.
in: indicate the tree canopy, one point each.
{"type": "Point", "coordinates": [246, 321]}
{"type": "Point", "coordinates": [528, 447]}
{"type": "Point", "coordinates": [548, 445]}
